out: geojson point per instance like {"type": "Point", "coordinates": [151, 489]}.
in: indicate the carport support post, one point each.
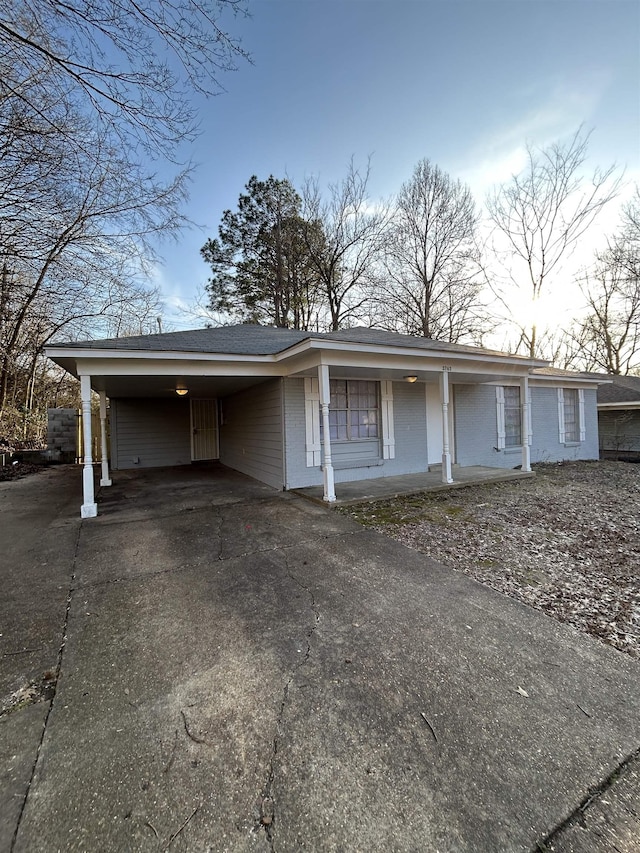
{"type": "Point", "coordinates": [525, 420]}
{"type": "Point", "coordinates": [89, 508]}
{"type": "Point", "coordinates": [446, 443]}
{"type": "Point", "coordinates": [327, 465]}
{"type": "Point", "coordinates": [105, 480]}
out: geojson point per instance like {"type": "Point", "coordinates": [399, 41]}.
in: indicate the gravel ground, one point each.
{"type": "Point", "coordinates": [566, 541]}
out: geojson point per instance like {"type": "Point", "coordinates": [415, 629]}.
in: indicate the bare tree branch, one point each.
{"type": "Point", "coordinates": [543, 212]}
{"type": "Point", "coordinates": [432, 283]}
{"type": "Point", "coordinates": [354, 233]}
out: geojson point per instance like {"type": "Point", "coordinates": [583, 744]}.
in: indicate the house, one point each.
{"type": "Point", "coordinates": [619, 417]}
{"type": "Point", "coordinates": [296, 409]}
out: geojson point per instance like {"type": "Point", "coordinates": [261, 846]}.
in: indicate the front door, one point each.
{"type": "Point", "coordinates": [204, 430]}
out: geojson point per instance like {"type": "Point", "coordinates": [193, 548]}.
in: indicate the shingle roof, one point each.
{"type": "Point", "coordinates": [246, 339]}
{"type": "Point", "coordinates": [559, 371]}
{"type": "Point", "coordinates": [623, 389]}
{"type": "Point", "coordinates": [233, 340]}
{"type": "Point", "coordinates": [383, 338]}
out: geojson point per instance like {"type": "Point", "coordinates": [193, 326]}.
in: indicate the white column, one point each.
{"type": "Point", "coordinates": [105, 480]}
{"type": "Point", "coordinates": [524, 424]}
{"type": "Point", "coordinates": [446, 439]}
{"type": "Point", "coordinates": [89, 508]}
{"type": "Point", "coordinates": [327, 465]}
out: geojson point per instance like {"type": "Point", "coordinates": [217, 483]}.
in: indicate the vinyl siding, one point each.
{"type": "Point", "coordinates": [409, 415]}
{"type": "Point", "coordinates": [434, 424]}
{"type": "Point", "coordinates": [251, 434]}
{"type": "Point", "coordinates": [476, 428]}
{"type": "Point", "coordinates": [545, 445]}
{"type": "Point", "coordinates": [157, 432]}
{"type": "Point", "coordinates": [619, 432]}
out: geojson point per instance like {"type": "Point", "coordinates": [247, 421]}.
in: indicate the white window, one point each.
{"type": "Point", "coordinates": [512, 417]}
{"type": "Point", "coordinates": [571, 420]}
{"type": "Point", "coordinates": [571, 415]}
{"type": "Point", "coordinates": [359, 410]}
{"type": "Point", "coordinates": [354, 410]}
{"type": "Point", "coordinates": [509, 416]}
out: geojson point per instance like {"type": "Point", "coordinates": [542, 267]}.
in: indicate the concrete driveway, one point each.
{"type": "Point", "coordinates": [211, 665]}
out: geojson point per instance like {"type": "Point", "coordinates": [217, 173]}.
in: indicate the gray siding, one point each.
{"type": "Point", "coordinates": [619, 432]}
{"type": "Point", "coordinates": [251, 434]}
{"type": "Point", "coordinates": [356, 454]}
{"type": "Point", "coordinates": [476, 428]}
{"type": "Point", "coordinates": [477, 436]}
{"type": "Point", "coordinates": [545, 445]}
{"type": "Point", "coordinates": [157, 432]}
{"type": "Point", "coordinates": [409, 415]}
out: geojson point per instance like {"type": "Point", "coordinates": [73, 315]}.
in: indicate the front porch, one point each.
{"type": "Point", "coordinates": [383, 488]}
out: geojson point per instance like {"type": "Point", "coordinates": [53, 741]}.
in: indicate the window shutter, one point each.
{"type": "Point", "coordinates": [561, 430]}
{"type": "Point", "coordinates": [500, 416]}
{"type": "Point", "coordinates": [388, 436]}
{"type": "Point", "coordinates": [312, 421]}
{"type": "Point", "coordinates": [583, 426]}
{"type": "Point", "coordinates": [529, 419]}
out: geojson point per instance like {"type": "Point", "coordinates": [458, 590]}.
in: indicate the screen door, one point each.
{"type": "Point", "coordinates": [204, 430]}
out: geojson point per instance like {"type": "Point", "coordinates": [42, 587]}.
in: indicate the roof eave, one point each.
{"type": "Point", "coordinates": [621, 404]}
{"type": "Point", "coordinates": [411, 352]}
{"type": "Point", "coordinates": [96, 353]}
{"type": "Point", "coordinates": [572, 378]}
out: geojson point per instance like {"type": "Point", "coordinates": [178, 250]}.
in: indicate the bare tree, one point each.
{"type": "Point", "coordinates": [432, 287]}
{"type": "Point", "coordinates": [348, 253]}
{"type": "Point", "coordinates": [610, 332]}
{"type": "Point", "coordinates": [129, 63]}
{"type": "Point", "coordinates": [541, 214]}
{"type": "Point", "coordinates": [82, 256]}
{"type": "Point", "coordinates": [631, 219]}
{"type": "Point", "coordinates": [87, 92]}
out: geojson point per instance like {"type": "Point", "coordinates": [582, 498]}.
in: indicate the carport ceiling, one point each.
{"type": "Point", "coordinates": [165, 386]}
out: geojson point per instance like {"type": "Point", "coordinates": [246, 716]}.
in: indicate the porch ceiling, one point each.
{"type": "Point", "coordinates": [165, 385]}
{"type": "Point", "coordinates": [424, 376]}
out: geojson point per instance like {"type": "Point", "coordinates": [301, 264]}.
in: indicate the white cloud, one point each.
{"type": "Point", "coordinates": [551, 112]}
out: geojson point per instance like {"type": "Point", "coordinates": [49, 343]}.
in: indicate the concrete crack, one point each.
{"type": "Point", "coordinates": [267, 818]}
{"type": "Point", "coordinates": [219, 559]}
{"type": "Point", "coordinates": [50, 695]}
{"type": "Point", "coordinates": [594, 794]}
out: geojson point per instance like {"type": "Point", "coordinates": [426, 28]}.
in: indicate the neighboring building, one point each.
{"type": "Point", "coordinates": [296, 409]}
{"type": "Point", "coordinates": [619, 417]}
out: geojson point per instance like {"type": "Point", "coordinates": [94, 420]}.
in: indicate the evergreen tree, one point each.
{"type": "Point", "coordinates": [261, 268]}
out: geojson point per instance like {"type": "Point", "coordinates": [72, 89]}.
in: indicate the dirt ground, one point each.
{"type": "Point", "coordinates": [566, 542]}
{"type": "Point", "coordinates": [17, 470]}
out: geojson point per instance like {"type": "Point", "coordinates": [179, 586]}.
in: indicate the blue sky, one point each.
{"type": "Point", "coordinates": [465, 84]}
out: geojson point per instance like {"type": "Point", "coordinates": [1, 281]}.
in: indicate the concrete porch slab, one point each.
{"type": "Point", "coordinates": [382, 488]}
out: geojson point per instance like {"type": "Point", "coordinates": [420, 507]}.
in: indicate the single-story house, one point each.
{"type": "Point", "coordinates": [295, 408]}
{"type": "Point", "coordinates": [619, 417]}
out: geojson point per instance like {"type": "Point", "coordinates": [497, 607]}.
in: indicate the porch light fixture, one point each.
{"type": "Point", "coordinates": [181, 392]}
{"type": "Point", "coordinates": [411, 378]}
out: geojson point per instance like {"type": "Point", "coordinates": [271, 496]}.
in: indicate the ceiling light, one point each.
{"type": "Point", "coordinates": [181, 392]}
{"type": "Point", "coordinates": [411, 378]}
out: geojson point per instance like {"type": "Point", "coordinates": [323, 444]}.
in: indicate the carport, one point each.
{"type": "Point", "coordinates": [193, 395]}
